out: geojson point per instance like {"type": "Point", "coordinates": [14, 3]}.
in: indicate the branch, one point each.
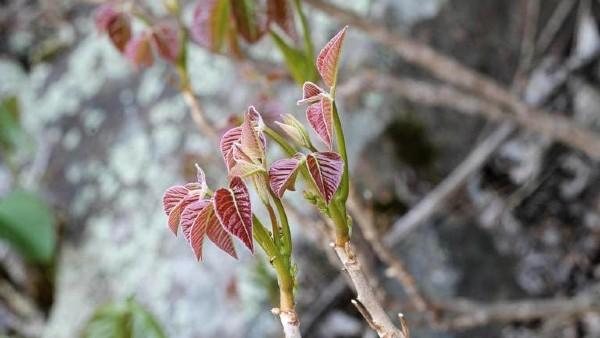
{"type": "Point", "coordinates": [468, 314]}
{"type": "Point", "coordinates": [289, 321]}
{"type": "Point", "coordinates": [366, 300]}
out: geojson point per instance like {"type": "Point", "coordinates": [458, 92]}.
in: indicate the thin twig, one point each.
{"type": "Point", "coordinates": [556, 21]}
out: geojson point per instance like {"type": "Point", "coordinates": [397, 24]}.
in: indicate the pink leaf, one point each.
{"type": "Point", "coordinates": [166, 39]}
{"type": "Point", "coordinates": [282, 174]}
{"type": "Point", "coordinates": [176, 198]}
{"type": "Point", "coordinates": [198, 220]}
{"type": "Point", "coordinates": [139, 52]}
{"type": "Point", "coordinates": [320, 118]}
{"type": "Point", "coordinates": [326, 169]}
{"type": "Point", "coordinates": [194, 225]}
{"type": "Point", "coordinates": [328, 58]}
{"type": "Point", "coordinates": [281, 13]}
{"type": "Point", "coordinates": [115, 24]}
{"type": "Point", "coordinates": [233, 208]}
{"type": "Point", "coordinates": [311, 93]}
{"type": "Point", "coordinates": [228, 139]}
{"type": "Point", "coordinates": [251, 141]}
{"type": "Point", "coordinates": [175, 214]}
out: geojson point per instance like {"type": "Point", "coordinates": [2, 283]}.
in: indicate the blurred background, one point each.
{"type": "Point", "coordinates": [473, 130]}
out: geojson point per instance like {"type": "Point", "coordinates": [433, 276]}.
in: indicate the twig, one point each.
{"type": "Point", "coordinates": [556, 21]}
{"type": "Point", "coordinates": [289, 321]}
{"type": "Point", "coordinates": [508, 106]}
{"type": "Point", "coordinates": [468, 314]}
{"type": "Point", "coordinates": [197, 113]}
{"type": "Point", "coordinates": [366, 300]}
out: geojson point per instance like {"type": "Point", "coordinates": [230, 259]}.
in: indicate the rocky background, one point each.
{"type": "Point", "coordinates": [107, 140]}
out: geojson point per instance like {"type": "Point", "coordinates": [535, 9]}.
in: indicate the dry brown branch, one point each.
{"type": "Point", "coordinates": [488, 92]}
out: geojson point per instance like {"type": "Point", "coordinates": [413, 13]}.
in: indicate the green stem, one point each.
{"type": "Point", "coordinates": [286, 249]}
{"type": "Point", "coordinates": [342, 194]}
{"type": "Point", "coordinates": [281, 263]}
{"type": "Point", "coordinates": [288, 148]}
{"type": "Point", "coordinates": [274, 225]}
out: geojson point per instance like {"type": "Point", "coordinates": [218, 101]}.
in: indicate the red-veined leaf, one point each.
{"type": "Point", "coordinates": [115, 24]}
{"type": "Point", "coordinates": [280, 12]}
{"type": "Point", "coordinates": [311, 93]}
{"type": "Point", "coordinates": [326, 169]}
{"type": "Point", "coordinates": [228, 139]}
{"type": "Point", "coordinates": [282, 174]}
{"type": "Point", "coordinates": [176, 198]}
{"type": "Point", "coordinates": [199, 220]}
{"type": "Point", "coordinates": [250, 24]}
{"type": "Point", "coordinates": [210, 23]}
{"type": "Point", "coordinates": [193, 226]}
{"type": "Point", "coordinates": [139, 51]}
{"type": "Point", "coordinates": [234, 210]}
{"type": "Point", "coordinates": [328, 58]}
{"type": "Point", "coordinates": [166, 39]}
{"type": "Point", "coordinates": [320, 118]}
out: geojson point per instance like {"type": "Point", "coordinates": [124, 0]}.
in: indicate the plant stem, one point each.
{"type": "Point", "coordinates": [286, 248]}
{"type": "Point", "coordinates": [341, 143]}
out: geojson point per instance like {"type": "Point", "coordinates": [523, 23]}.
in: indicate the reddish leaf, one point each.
{"type": "Point", "coordinates": [166, 39]}
{"type": "Point", "coordinates": [328, 58]}
{"type": "Point", "coordinates": [320, 118]}
{"type": "Point", "coordinates": [139, 51]}
{"type": "Point", "coordinates": [115, 24]}
{"type": "Point", "coordinates": [311, 93]}
{"type": "Point", "coordinates": [282, 174]}
{"type": "Point", "coordinates": [281, 13]}
{"type": "Point", "coordinates": [248, 21]}
{"type": "Point", "coordinates": [218, 235]}
{"type": "Point", "coordinates": [228, 139]}
{"type": "Point", "coordinates": [250, 140]}
{"type": "Point", "coordinates": [198, 220]}
{"type": "Point", "coordinates": [244, 166]}
{"type": "Point", "coordinates": [326, 169]}
{"type": "Point", "coordinates": [210, 23]}
{"type": "Point", "coordinates": [175, 213]}
{"type": "Point", "coordinates": [233, 208]}
{"type": "Point", "coordinates": [194, 226]}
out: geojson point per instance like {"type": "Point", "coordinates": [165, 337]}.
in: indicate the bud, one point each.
{"type": "Point", "coordinates": [295, 130]}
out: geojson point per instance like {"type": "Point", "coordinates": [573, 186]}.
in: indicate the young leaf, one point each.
{"type": "Point", "coordinates": [295, 130]}
{"type": "Point", "coordinates": [139, 50]}
{"type": "Point", "coordinates": [166, 39]}
{"type": "Point", "coordinates": [311, 93]}
{"type": "Point", "coordinates": [115, 24]}
{"type": "Point", "coordinates": [233, 208]}
{"type": "Point", "coordinates": [250, 140]}
{"type": "Point", "coordinates": [280, 12]}
{"type": "Point", "coordinates": [228, 139]}
{"type": "Point", "coordinates": [328, 58]}
{"type": "Point", "coordinates": [211, 23]}
{"type": "Point", "coordinates": [326, 169]}
{"type": "Point", "coordinates": [177, 198]}
{"type": "Point", "coordinates": [193, 226]}
{"type": "Point", "coordinates": [199, 220]}
{"type": "Point", "coordinates": [244, 166]}
{"type": "Point", "coordinates": [320, 118]}
{"type": "Point", "coordinates": [282, 174]}
{"type": "Point", "coordinates": [247, 21]}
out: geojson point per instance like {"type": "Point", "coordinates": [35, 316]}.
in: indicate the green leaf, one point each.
{"type": "Point", "coordinates": [247, 21]}
{"type": "Point", "coordinates": [27, 223]}
{"type": "Point", "coordinates": [11, 133]}
{"type": "Point", "coordinates": [124, 319]}
{"type": "Point", "coordinates": [295, 60]}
